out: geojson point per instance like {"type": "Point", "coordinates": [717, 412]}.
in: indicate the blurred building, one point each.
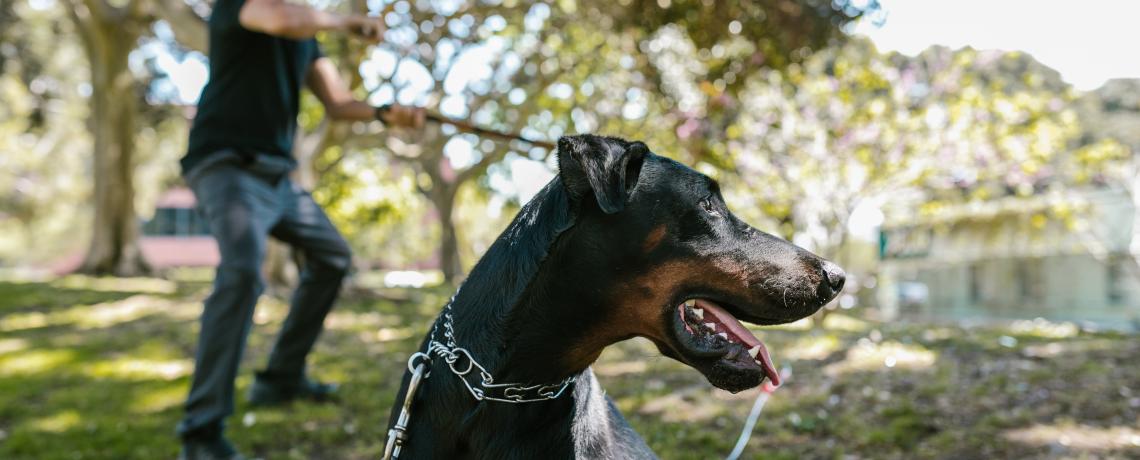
{"type": "Point", "coordinates": [177, 235]}
{"type": "Point", "coordinates": [1061, 257]}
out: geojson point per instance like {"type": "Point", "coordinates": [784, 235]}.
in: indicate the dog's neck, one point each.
{"type": "Point", "coordinates": [524, 324]}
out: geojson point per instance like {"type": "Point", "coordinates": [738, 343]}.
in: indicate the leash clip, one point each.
{"type": "Point", "coordinates": [426, 362]}
{"type": "Point", "coordinates": [398, 435]}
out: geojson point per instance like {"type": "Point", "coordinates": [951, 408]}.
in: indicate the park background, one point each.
{"type": "Point", "coordinates": [971, 164]}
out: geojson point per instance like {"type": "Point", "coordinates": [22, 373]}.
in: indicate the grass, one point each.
{"type": "Point", "coordinates": [98, 368]}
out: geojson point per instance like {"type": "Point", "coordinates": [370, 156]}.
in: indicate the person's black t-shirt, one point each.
{"type": "Point", "coordinates": [250, 103]}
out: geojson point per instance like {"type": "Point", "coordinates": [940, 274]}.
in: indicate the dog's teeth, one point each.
{"type": "Point", "coordinates": [699, 313]}
{"type": "Point", "coordinates": [723, 335]}
{"type": "Point", "coordinates": [753, 351]}
{"type": "Point", "coordinates": [711, 326]}
{"type": "Point", "coordinates": [690, 303]}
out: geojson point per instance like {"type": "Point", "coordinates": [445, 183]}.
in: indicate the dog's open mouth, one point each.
{"type": "Point", "coordinates": [718, 345]}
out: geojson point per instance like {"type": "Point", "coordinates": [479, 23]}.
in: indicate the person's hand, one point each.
{"type": "Point", "coordinates": [404, 116]}
{"type": "Point", "coordinates": [367, 28]}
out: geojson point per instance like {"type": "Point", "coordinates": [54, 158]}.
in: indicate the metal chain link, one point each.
{"type": "Point", "coordinates": [484, 387]}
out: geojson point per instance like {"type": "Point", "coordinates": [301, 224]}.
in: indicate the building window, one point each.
{"type": "Point", "coordinates": [1116, 278]}
{"type": "Point", "coordinates": [182, 222]}
{"type": "Point", "coordinates": [975, 284]}
{"type": "Point", "coordinates": [1029, 280]}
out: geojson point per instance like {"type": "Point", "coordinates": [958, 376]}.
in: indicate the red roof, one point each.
{"type": "Point", "coordinates": [161, 252]}
{"type": "Point", "coordinates": [180, 251]}
{"type": "Point", "coordinates": [177, 197]}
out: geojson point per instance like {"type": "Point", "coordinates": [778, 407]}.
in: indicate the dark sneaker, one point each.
{"type": "Point", "coordinates": [268, 392]}
{"type": "Point", "coordinates": [212, 448]}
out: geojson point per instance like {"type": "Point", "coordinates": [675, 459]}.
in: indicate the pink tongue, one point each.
{"type": "Point", "coordinates": [742, 335]}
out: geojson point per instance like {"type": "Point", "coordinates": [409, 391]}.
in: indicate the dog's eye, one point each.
{"type": "Point", "coordinates": [710, 207]}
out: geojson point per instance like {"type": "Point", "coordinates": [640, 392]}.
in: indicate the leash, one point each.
{"type": "Point", "coordinates": [474, 129]}
{"type": "Point", "coordinates": [460, 124]}
{"type": "Point", "coordinates": [761, 399]}
{"type": "Point", "coordinates": [480, 384]}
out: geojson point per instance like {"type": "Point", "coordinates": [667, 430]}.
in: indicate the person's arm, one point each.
{"type": "Point", "coordinates": [325, 82]}
{"type": "Point", "coordinates": [277, 18]}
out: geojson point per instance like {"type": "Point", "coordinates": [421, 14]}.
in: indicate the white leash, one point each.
{"type": "Point", "coordinates": [762, 398]}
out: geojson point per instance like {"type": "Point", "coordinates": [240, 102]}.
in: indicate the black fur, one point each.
{"type": "Point", "coordinates": [548, 296]}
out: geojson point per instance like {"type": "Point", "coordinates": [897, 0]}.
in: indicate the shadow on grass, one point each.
{"type": "Point", "coordinates": [45, 296]}
{"type": "Point", "coordinates": [102, 373]}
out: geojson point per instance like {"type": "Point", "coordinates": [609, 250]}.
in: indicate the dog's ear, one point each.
{"type": "Point", "coordinates": [606, 166]}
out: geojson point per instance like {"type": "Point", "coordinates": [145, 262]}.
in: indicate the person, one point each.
{"type": "Point", "coordinates": [237, 165]}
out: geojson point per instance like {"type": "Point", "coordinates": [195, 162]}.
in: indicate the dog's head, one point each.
{"type": "Point", "coordinates": [673, 264]}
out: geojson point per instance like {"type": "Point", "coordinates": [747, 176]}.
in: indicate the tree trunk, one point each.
{"type": "Point", "coordinates": [442, 192]}
{"type": "Point", "coordinates": [114, 247]}
{"type": "Point", "coordinates": [834, 249]}
{"type": "Point", "coordinates": [449, 261]}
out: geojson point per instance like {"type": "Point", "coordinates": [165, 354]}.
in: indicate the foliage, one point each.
{"type": "Point", "coordinates": [851, 127]}
{"type": "Point", "coordinates": [826, 150]}
{"type": "Point", "coordinates": [46, 178]}
{"type": "Point", "coordinates": [1112, 112]}
{"type": "Point", "coordinates": [561, 67]}
{"type": "Point", "coordinates": [699, 51]}
{"type": "Point", "coordinates": [555, 68]}
{"type": "Point", "coordinates": [1008, 122]}
{"type": "Point", "coordinates": [429, 40]}
{"type": "Point", "coordinates": [98, 368]}
{"type": "Point", "coordinates": [41, 179]}
{"type": "Point", "coordinates": [804, 125]}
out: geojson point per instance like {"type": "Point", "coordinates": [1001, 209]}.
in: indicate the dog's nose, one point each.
{"type": "Point", "coordinates": [834, 275]}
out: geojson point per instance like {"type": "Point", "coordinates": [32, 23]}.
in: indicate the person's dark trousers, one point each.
{"type": "Point", "coordinates": [243, 207]}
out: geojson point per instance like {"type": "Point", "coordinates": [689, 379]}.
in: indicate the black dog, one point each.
{"type": "Point", "coordinates": [622, 243]}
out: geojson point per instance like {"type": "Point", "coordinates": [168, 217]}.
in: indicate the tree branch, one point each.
{"type": "Point", "coordinates": [189, 28]}
{"type": "Point", "coordinates": [99, 10]}
{"type": "Point", "coordinates": [488, 159]}
{"type": "Point", "coordinates": [133, 10]}
{"type": "Point", "coordinates": [84, 25]}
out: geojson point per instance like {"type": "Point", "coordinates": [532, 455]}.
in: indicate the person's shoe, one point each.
{"type": "Point", "coordinates": [208, 448]}
{"type": "Point", "coordinates": [269, 392]}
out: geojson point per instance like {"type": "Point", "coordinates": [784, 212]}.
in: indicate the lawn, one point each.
{"type": "Point", "coordinates": [97, 368]}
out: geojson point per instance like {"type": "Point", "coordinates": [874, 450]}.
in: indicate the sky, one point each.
{"type": "Point", "coordinates": [1088, 42]}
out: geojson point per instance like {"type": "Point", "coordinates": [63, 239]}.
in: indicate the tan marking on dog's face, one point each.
{"type": "Point", "coordinates": [732, 270]}
{"type": "Point", "coordinates": [654, 239]}
{"type": "Point", "coordinates": [637, 305]}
